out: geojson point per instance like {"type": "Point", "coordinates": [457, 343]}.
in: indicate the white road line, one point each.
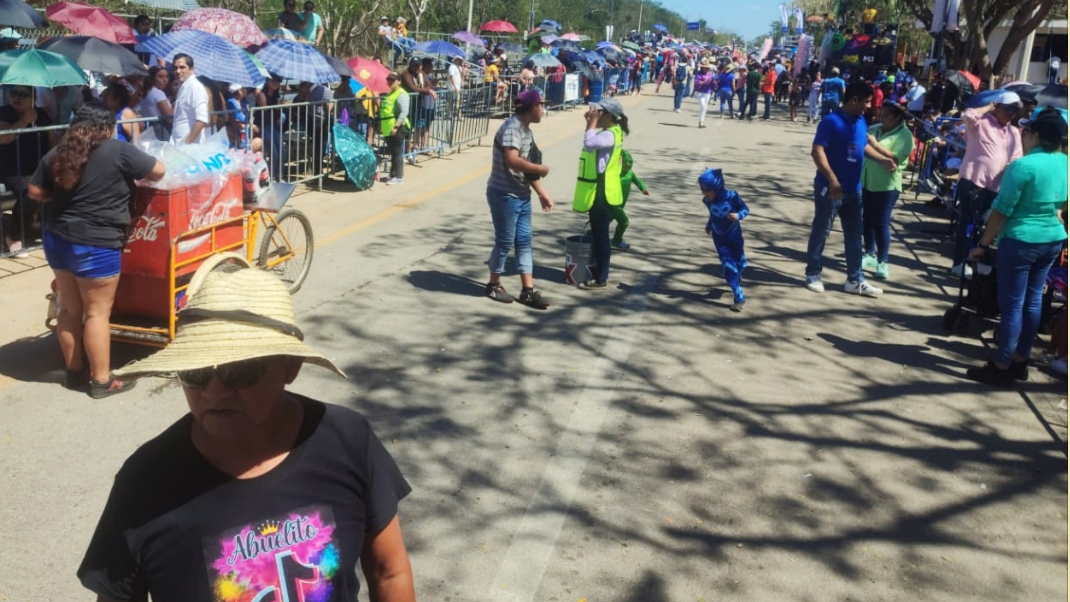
{"type": "Point", "coordinates": [533, 543]}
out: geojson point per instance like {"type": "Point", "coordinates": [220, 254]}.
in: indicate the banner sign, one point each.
{"type": "Point", "coordinates": [694, 25]}
{"type": "Point", "coordinates": [572, 87]}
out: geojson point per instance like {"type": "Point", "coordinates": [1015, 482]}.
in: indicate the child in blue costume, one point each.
{"type": "Point", "coordinates": [726, 210]}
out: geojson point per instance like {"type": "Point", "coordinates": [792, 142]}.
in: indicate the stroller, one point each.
{"type": "Point", "coordinates": [978, 298]}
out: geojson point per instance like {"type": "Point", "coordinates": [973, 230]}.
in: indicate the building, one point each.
{"type": "Point", "coordinates": [1030, 61]}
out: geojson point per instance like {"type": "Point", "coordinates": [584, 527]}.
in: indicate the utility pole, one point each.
{"type": "Point", "coordinates": [640, 27]}
{"type": "Point", "coordinates": [531, 17]}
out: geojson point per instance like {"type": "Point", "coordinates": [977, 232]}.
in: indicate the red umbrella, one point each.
{"type": "Point", "coordinates": [498, 27]}
{"type": "Point", "coordinates": [371, 74]}
{"type": "Point", "coordinates": [91, 21]}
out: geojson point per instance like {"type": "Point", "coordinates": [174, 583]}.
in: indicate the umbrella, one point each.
{"type": "Point", "coordinates": [214, 57]}
{"type": "Point", "coordinates": [511, 47]}
{"type": "Point", "coordinates": [593, 57]}
{"type": "Point", "coordinates": [227, 24]}
{"type": "Point", "coordinates": [340, 67]}
{"type": "Point", "coordinates": [568, 45]}
{"type": "Point", "coordinates": [282, 33]}
{"type": "Point", "coordinates": [357, 157]}
{"type": "Point", "coordinates": [983, 98]}
{"type": "Point", "coordinates": [176, 5]}
{"type": "Point", "coordinates": [549, 24]}
{"type": "Point", "coordinates": [468, 38]}
{"type": "Point", "coordinates": [815, 19]}
{"type": "Point", "coordinates": [572, 37]}
{"type": "Point", "coordinates": [498, 27]}
{"type": "Point", "coordinates": [660, 27]}
{"type": "Point", "coordinates": [966, 82]}
{"type": "Point", "coordinates": [631, 46]}
{"type": "Point", "coordinates": [611, 54]}
{"type": "Point", "coordinates": [549, 38]}
{"type": "Point", "coordinates": [1045, 95]}
{"type": "Point", "coordinates": [438, 47]}
{"type": "Point", "coordinates": [19, 14]}
{"type": "Point", "coordinates": [542, 60]}
{"type": "Point", "coordinates": [294, 60]}
{"type": "Point", "coordinates": [371, 74]}
{"type": "Point", "coordinates": [39, 68]}
{"type": "Point", "coordinates": [583, 70]}
{"type": "Point", "coordinates": [94, 54]}
{"type": "Point", "coordinates": [260, 67]}
{"type": "Point", "coordinates": [91, 21]}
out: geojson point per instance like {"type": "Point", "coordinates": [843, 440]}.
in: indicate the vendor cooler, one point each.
{"type": "Point", "coordinates": [171, 234]}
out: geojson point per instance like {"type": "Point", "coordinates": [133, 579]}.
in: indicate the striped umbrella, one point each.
{"type": "Point", "coordinates": [438, 47]}
{"type": "Point", "coordinates": [227, 24]}
{"type": "Point", "coordinates": [213, 56]}
{"type": "Point", "coordinates": [177, 5]}
{"type": "Point", "coordinates": [297, 61]}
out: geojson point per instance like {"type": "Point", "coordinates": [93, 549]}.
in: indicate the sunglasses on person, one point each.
{"type": "Point", "coordinates": [235, 375]}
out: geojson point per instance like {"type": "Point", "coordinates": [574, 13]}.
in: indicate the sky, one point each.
{"type": "Point", "coordinates": [750, 20]}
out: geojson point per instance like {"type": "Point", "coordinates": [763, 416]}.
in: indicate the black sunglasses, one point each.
{"type": "Point", "coordinates": [235, 375]}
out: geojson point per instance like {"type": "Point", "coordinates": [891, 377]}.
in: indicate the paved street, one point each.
{"type": "Point", "coordinates": [640, 444]}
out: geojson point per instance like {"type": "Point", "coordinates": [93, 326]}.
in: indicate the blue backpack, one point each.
{"type": "Point", "coordinates": [681, 73]}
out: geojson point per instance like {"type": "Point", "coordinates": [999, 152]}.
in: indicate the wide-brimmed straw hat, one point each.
{"type": "Point", "coordinates": [236, 314]}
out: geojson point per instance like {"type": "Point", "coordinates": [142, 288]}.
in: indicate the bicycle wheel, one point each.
{"type": "Point", "coordinates": [287, 247]}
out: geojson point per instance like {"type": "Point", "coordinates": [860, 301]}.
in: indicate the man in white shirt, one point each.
{"type": "Point", "coordinates": [915, 98]}
{"type": "Point", "coordinates": [1053, 69]}
{"type": "Point", "coordinates": [386, 36]}
{"type": "Point", "coordinates": [191, 105]}
{"type": "Point", "coordinates": [453, 73]}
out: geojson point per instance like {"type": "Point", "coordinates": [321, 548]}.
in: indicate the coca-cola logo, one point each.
{"type": "Point", "coordinates": [218, 212]}
{"type": "Point", "coordinates": [147, 228]}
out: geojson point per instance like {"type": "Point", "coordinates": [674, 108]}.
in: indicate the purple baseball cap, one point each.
{"type": "Point", "coordinates": [529, 98]}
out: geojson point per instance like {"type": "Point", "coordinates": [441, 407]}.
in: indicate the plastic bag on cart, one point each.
{"type": "Point", "coordinates": [193, 164]}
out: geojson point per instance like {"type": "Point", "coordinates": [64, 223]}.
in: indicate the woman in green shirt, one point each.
{"type": "Point", "coordinates": [881, 188]}
{"type": "Point", "coordinates": [1025, 218]}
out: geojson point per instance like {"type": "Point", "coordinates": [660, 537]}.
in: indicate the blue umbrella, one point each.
{"type": "Point", "coordinates": [542, 60]}
{"type": "Point", "coordinates": [438, 47]}
{"type": "Point", "coordinates": [548, 24]}
{"type": "Point", "coordinates": [660, 27]}
{"type": "Point", "coordinates": [593, 57]}
{"type": "Point", "coordinates": [297, 61]}
{"type": "Point", "coordinates": [213, 56]}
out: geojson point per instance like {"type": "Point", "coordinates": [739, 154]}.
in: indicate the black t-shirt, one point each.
{"type": "Point", "coordinates": [21, 156]}
{"type": "Point", "coordinates": [178, 529]}
{"type": "Point", "coordinates": [97, 211]}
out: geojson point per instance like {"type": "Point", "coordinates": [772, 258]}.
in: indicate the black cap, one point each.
{"type": "Point", "coordinates": [414, 61]}
{"type": "Point", "coordinates": [1048, 123]}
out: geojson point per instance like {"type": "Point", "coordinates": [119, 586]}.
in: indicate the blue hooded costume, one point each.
{"type": "Point", "coordinates": [727, 233]}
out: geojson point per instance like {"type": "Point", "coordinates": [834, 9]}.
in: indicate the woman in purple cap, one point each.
{"type": "Point", "coordinates": [516, 170]}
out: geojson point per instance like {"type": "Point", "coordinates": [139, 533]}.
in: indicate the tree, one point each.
{"type": "Point", "coordinates": [969, 45]}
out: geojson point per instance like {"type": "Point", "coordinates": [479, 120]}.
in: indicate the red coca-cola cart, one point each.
{"type": "Point", "coordinates": [176, 237]}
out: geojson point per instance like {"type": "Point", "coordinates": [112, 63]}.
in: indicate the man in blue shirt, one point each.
{"type": "Point", "coordinates": [832, 90]}
{"type": "Point", "coordinates": [840, 146]}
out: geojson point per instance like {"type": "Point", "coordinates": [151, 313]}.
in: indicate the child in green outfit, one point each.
{"type": "Point", "coordinates": [627, 178]}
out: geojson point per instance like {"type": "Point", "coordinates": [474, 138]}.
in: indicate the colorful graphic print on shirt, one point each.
{"type": "Point", "coordinates": [283, 558]}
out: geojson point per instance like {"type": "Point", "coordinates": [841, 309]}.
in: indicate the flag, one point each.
{"type": "Point", "coordinates": [783, 18]}
{"type": "Point", "coordinates": [798, 13]}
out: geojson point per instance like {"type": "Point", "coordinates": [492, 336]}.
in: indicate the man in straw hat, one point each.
{"type": "Point", "coordinates": [256, 488]}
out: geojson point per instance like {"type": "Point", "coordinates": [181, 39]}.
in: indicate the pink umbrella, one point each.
{"type": "Point", "coordinates": [498, 27]}
{"type": "Point", "coordinates": [571, 36]}
{"type": "Point", "coordinates": [91, 21]}
{"type": "Point", "coordinates": [227, 24]}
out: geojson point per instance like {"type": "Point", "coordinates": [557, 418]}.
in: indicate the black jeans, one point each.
{"type": "Point", "coordinates": [396, 145]}
{"type": "Point", "coordinates": [600, 217]}
{"type": "Point", "coordinates": [973, 202]}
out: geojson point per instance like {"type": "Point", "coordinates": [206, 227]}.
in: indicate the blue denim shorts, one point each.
{"type": "Point", "coordinates": [83, 261]}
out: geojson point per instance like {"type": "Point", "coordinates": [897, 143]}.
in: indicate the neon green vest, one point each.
{"type": "Point", "coordinates": [387, 112]}
{"type": "Point", "coordinates": [588, 180]}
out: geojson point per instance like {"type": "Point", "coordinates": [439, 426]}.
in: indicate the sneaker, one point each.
{"type": "Point", "coordinates": [594, 285]}
{"type": "Point", "coordinates": [737, 306]}
{"type": "Point", "coordinates": [1019, 370]}
{"type": "Point", "coordinates": [497, 293]}
{"type": "Point", "coordinates": [862, 288]}
{"type": "Point", "coordinates": [15, 248]}
{"type": "Point", "coordinates": [395, 182]}
{"type": "Point", "coordinates": [869, 261]}
{"type": "Point", "coordinates": [881, 273]}
{"type": "Point", "coordinates": [532, 298]}
{"type": "Point", "coordinates": [990, 374]}
{"type": "Point", "coordinates": [77, 380]}
{"type": "Point", "coordinates": [622, 246]}
{"type": "Point", "coordinates": [114, 386]}
{"type": "Point", "coordinates": [813, 283]}
{"type": "Point", "coordinates": [962, 271]}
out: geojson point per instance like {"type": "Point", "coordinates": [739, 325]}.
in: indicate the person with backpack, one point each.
{"type": "Point", "coordinates": [725, 85]}
{"type": "Point", "coordinates": [679, 85]}
{"type": "Point", "coordinates": [832, 90]}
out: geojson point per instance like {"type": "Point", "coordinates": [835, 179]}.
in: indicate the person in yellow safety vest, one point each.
{"type": "Point", "coordinates": [598, 185]}
{"type": "Point", "coordinates": [395, 130]}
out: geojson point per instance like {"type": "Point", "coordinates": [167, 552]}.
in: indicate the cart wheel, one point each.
{"type": "Point", "coordinates": [287, 247]}
{"type": "Point", "coordinates": [962, 324]}
{"type": "Point", "coordinates": [214, 263]}
{"type": "Point", "coordinates": [951, 317]}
